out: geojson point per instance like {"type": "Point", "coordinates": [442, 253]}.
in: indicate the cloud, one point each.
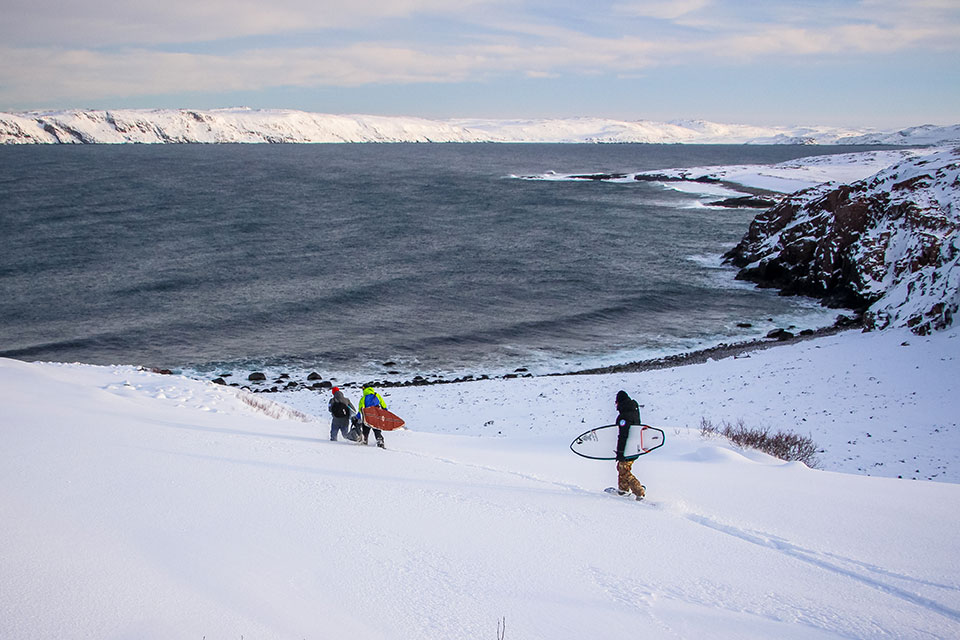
{"type": "Point", "coordinates": [660, 9]}
{"type": "Point", "coordinates": [152, 22]}
{"type": "Point", "coordinates": [83, 52]}
{"type": "Point", "coordinates": [53, 75]}
{"type": "Point", "coordinates": [798, 43]}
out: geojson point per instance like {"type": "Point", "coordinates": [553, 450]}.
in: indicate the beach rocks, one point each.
{"type": "Point", "coordinates": [282, 382]}
{"type": "Point", "coordinates": [780, 334]}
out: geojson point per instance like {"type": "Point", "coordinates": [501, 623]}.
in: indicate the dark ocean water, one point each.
{"type": "Point", "coordinates": [340, 258]}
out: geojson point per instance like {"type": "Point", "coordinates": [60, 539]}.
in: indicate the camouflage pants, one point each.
{"type": "Point", "coordinates": [628, 482]}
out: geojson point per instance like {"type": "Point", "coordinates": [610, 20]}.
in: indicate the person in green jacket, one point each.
{"type": "Point", "coordinates": [371, 399]}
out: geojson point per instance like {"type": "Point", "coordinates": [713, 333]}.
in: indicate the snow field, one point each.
{"type": "Point", "coordinates": [139, 505]}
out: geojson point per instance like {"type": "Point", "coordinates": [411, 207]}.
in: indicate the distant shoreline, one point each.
{"type": "Point", "coordinates": [244, 125]}
{"type": "Point", "coordinates": [718, 352]}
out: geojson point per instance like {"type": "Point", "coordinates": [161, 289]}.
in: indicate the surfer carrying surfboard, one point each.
{"type": "Point", "coordinates": [341, 410]}
{"type": "Point", "coordinates": [628, 414]}
{"type": "Point", "coordinates": [371, 399]}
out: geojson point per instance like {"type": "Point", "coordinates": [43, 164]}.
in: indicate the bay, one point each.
{"type": "Point", "coordinates": [370, 260]}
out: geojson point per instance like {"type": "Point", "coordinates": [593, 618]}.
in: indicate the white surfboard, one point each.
{"type": "Point", "coordinates": [601, 443]}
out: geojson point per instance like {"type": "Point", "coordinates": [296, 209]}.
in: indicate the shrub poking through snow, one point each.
{"type": "Point", "coordinates": [786, 446]}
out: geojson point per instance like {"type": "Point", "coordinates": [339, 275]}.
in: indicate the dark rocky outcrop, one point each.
{"type": "Point", "coordinates": [680, 176]}
{"type": "Point", "coordinates": [886, 246]}
{"type": "Point", "coordinates": [601, 176]}
{"type": "Point", "coordinates": [780, 334]}
{"type": "Point", "coordinates": [745, 202]}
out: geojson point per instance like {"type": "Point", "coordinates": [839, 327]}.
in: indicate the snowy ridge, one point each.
{"type": "Point", "coordinates": [887, 245]}
{"type": "Point", "coordinates": [220, 126]}
{"type": "Point", "coordinates": [289, 126]}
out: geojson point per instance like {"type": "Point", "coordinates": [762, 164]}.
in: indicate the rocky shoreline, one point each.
{"type": "Point", "coordinates": [259, 382]}
{"type": "Point", "coordinates": [737, 349]}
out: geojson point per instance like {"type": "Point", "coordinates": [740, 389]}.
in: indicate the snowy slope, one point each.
{"type": "Point", "coordinates": [802, 173]}
{"type": "Point", "coordinates": [284, 125]}
{"type": "Point", "coordinates": [138, 505]}
{"type": "Point", "coordinates": [923, 135]}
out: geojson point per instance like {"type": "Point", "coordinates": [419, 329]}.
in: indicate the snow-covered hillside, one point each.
{"type": "Point", "coordinates": [148, 506]}
{"type": "Point", "coordinates": [888, 244]}
{"type": "Point", "coordinates": [278, 125]}
{"type": "Point", "coordinates": [220, 126]}
{"type": "Point", "coordinates": [784, 177]}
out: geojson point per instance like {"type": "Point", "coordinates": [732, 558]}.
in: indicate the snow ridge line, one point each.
{"type": "Point", "coordinates": [819, 560]}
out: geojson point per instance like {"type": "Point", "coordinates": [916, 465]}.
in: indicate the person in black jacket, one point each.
{"type": "Point", "coordinates": [628, 414]}
{"type": "Point", "coordinates": [341, 409]}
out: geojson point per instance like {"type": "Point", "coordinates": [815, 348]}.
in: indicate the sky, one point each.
{"type": "Point", "coordinates": [875, 63]}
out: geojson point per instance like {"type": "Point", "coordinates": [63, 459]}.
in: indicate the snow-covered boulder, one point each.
{"type": "Point", "coordinates": [887, 245]}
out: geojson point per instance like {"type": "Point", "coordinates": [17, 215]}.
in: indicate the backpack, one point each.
{"type": "Point", "coordinates": [630, 411]}
{"type": "Point", "coordinates": [340, 410]}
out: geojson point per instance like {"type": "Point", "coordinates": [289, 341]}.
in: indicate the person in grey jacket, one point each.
{"type": "Point", "coordinates": [341, 409]}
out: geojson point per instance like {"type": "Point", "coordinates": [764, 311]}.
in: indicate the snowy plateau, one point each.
{"type": "Point", "coordinates": [140, 505]}
{"type": "Point", "coordinates": [243, 125]}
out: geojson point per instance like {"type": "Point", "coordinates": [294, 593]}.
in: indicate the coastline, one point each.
{"type": "Point", "coordinates": [719, 352]}
{"type": "Point", "coordinates": [697, 356]}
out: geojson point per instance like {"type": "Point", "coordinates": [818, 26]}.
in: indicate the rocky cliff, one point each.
{"type": "Point", "coordinates": [886, 246]}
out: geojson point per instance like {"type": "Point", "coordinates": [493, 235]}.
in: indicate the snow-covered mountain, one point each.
{"type": "Point", "coordinates": [887, 245]}
{"type": "Point", "coordinates": [923, 135]}
{"type": "Point", "coordinates": [278, 125]}
{"type": "Point", "coordinates": [220, 126]}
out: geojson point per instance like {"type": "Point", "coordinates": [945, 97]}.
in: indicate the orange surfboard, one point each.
{"type": "Point", "coordinates": [380, 418]}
